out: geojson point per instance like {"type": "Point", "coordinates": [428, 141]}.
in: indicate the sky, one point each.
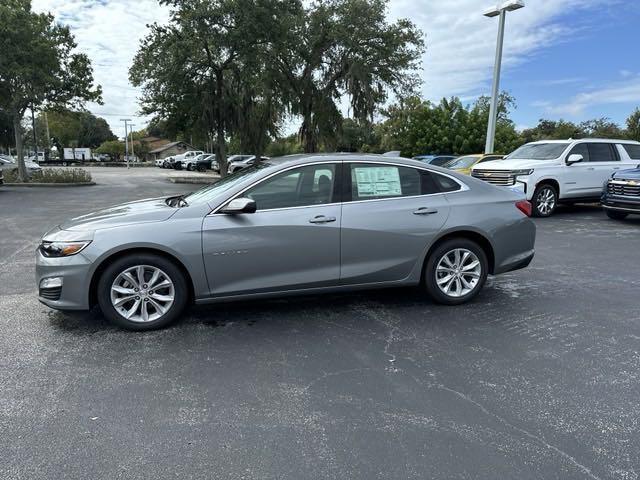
{"type": "Point", "coordinates": [570, 59]}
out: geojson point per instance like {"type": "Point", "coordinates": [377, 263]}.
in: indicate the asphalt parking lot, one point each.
{"type": "Point", "coordinates": [537, 378]}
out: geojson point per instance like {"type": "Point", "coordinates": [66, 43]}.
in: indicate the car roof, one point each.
{"type": "Point", "coordinates": [581, 140]}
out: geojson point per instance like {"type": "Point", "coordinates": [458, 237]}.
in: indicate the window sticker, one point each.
{"type": "Point", "coordinates": [377, 182]}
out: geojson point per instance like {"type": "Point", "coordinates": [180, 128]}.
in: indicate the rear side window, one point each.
{"type": "Point", "coordinates": [601, 152]}
{"type": "Point", "coordinates": [444, 184]}
{"type": "Point", "coordinates": [373, 181]}
{"type": "Point", "coordinates": [632, 150]}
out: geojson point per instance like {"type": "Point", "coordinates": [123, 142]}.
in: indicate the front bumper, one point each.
{"type": "Point", "coordinates": [621, 203]}
{"type": "Point", "coordinates": [75, 273]}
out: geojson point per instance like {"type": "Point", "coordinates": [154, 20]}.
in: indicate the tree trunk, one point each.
{"type": "Point", "coordinates": [221, 144]}
{"type": "Point", "coordinates": [308, 134]}
{"type": "Point", "coordinates": [23, 175]}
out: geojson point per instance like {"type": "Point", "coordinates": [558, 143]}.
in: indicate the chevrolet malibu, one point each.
{"type": "Point", "coordinates": [291, 225]}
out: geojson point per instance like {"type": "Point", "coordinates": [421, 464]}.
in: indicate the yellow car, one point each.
{"type": "Point", "coordinates": [465, 163]}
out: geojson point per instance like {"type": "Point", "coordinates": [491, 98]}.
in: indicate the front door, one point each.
{"type": "Point", "coordinates": [291, 242]}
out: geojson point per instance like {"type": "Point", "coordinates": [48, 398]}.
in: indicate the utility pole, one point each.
{"type": "Point", "coordinates": [126, 143]}
{"type": "Point", "coordinates": [501, 12]}
{"type": "Point", "coordinates": [46, 122]}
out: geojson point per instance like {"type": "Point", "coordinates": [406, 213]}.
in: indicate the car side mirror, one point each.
{"type": "Point", "coordinates": [574, 158]}
{"type": "Point", "coordinates": [239, 205]}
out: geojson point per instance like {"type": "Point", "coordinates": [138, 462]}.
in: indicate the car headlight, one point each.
{"type": "Point", "coordinates": [62, 249]}
{"type": "Point", "coordinates": [527, 171]}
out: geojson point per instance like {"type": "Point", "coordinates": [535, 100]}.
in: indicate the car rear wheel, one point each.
{"type": "Point", "coordinates": [545, 200]}
{"type": "Point", "coordinates": [142, 292]}
{"type": "Point", "coordinates": [456, 271]}
{"type": "Point", "coordinates": [612, 214]}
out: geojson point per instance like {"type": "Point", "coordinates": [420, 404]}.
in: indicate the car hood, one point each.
{"type": "Point", "coordinates": [141, 211]}
{"type": "Point", "coordinates": [515, 164]}
{"type": "Point", "coordinates": [632, 174]}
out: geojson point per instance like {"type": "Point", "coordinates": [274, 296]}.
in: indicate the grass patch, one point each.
{"type": "Point", "coordinates": [52, 175]}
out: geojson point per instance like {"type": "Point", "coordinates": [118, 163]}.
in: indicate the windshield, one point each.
{"type": "Point", "coordinates": [538, 151]}
{"type": "Point", "coordinates": [463, 162]}
{"type": "Point", "coordinates": [210, 192]}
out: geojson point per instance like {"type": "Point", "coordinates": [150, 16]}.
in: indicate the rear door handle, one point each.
{"type": "Point", "coordinates": [425, 211]}
{"type": "Point", "coordinates": [322, 219]}
{"type": "Point", "coordinates": [591, 168]}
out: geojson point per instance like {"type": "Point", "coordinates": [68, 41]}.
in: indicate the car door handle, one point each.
{"type": "Point", "coordinates": [425, 211]}
{"type": "Point", "coordinates": [591, 168]}
{"type": "Point", "coordinates": [322, 219]}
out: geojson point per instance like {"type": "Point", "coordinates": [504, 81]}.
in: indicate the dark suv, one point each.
{"type": "Point", "coordinates": [621, 194]}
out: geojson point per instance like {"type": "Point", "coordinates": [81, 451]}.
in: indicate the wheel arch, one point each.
{"type": "Point", "coordinates": [469, 234]}
{"type": "Point", "coordinates": [548, 181]}
{"type": "Point", "coordinates": [107, 259]}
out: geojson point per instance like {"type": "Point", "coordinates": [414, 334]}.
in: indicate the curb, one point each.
{"type": "Point", "coordinates": [55, 185]}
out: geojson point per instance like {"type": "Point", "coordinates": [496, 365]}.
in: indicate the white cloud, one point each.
{"type": "Point", "coordinates": [460, 42]}
{"type": "Point", "coordinates": [627, 91]}
{"type": "Point", "coordinates": [109, 32]}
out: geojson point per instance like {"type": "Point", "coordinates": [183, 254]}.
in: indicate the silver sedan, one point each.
{"type": "Point", "coordinates": [292, 225]}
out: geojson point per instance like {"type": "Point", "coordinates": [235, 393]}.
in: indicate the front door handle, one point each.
{"type": "Point", "coordinates": [425, 211]}
{"type": "Point", "coordinates": [591, 168]}
{"type": "Point", "coordinates": [322, 219]}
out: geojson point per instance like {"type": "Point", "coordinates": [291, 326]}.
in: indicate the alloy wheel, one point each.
{"type": "Point", "coordinates": [546, 201]}
{"type": "Point", "coordinates": [142, 293]}
{"type": "Point", "coordinates": [458, 272]}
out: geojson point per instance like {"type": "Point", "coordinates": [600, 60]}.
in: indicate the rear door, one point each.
{"type": "Point", "coordinates": [390, 214]}
{"type": "Point", "coordinates": [605, 159]}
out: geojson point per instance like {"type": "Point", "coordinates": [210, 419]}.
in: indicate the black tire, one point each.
{"type": "Point", "coordinates": [181, 291]}
{"type": "Point", "coordinates": [431, 274]}
{"type": "Point", "coordinates": [545, 200]}
{"type": "Point", "coordinates": [190, 168]}
{"type": "Point", "coordinates": [613, 215]}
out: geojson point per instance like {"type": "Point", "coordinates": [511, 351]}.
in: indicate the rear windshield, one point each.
{"type": "Point", "coordinates": [539, 151]}
{"type": "Point", "coordinates": [632, 150]}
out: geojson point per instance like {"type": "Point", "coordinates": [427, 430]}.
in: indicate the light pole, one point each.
{"type": "Point", "coordinates": [499, 10]}
{"type": "Point", "coordinates": [131, 125]}
{"type": "Point", "coordinates": [126, 134]}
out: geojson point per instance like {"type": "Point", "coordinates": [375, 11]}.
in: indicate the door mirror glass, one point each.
{"type": "Point", "coordinates": [574, 158]}
{"type": "Point", "coordinates": [239, 205]}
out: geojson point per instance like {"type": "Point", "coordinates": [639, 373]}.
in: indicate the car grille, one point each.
{"type": "Point", "coordinates": [51, 293]}
{"type": "Point", "coordinates": [623, 188]}
{"type": "Point", "coordinates": [496, 177]}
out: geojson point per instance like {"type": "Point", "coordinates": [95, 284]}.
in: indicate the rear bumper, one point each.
{"type": "Point", "coordinates": [515, 263]}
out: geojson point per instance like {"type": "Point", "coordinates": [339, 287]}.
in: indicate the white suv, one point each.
{"type": "Point", "coordinates": [560, 171]}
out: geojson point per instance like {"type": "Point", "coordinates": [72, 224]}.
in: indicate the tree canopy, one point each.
{"type": "Point", "coordinates": [38, 67]}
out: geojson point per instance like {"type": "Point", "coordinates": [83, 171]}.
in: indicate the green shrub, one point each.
{"type": "Point", "coordinates": [52, 175]}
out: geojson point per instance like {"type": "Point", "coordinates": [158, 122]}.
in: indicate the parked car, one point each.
{"type": "Point", "coordinates": [465, 163]}
{"type": "Point", "coordinates": [159, 162]}
{"type": "Point", "coordinates": [206, 162]}
{"type": "Point", "coordinates": [437, 160]}
{"type": "Point", "coordinates": [187, 155]}
{"type": "Point", "coordinates": [168, 162]}
{"type": "Point", "coordinates": [238, 162]}
{"type": "Point", "coordinates": [621, 194]}
{"type": "Point", "coordinates": [292, 225]}
{"type": "Point", "coordinates": [560, 171]}
{"type": "Point", "coordinates": [9, 163]}
{"type": "Point", "coordinates": [191, 163]}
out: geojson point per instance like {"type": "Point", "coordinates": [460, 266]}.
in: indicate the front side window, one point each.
{"type": "Point", "coordinates": [539, 151]}
{"type": "Point", "coordinates": [372, 181]}
{"type": "Point", "coordinates": [299, 187]}
{"type": "Point", "coordinates": [601, 152]}
{"type": "Point", "coordinates": [581, 149]}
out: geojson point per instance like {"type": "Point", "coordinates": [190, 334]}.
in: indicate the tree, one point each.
{"type": "Point", "coordinates": [337, 48]}
{"type": "Point", "coordinates": [601, 128]}
{"type": "Point", "coordinates": [553, 130]}
{"type": "Point", "coordinates": [633, 125]}
{"type": "Point", "coordinates": [38, 67]}
{"type": "Point", "coordinates": [114, 148]}
{"type": "Point", "coordinates": [6, 130]}
{"type": "Point", "coordinates": [204, 68]}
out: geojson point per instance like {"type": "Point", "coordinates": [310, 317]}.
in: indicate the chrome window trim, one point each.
{"type": "Point", "coordinates": [463, 186]}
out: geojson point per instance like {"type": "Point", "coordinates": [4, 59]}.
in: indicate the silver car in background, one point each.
{"type": "Point", "coordinates": [291, 225]}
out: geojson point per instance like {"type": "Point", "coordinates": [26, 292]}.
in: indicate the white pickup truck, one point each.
{"type": "Point", "coordinates": [181, 159]}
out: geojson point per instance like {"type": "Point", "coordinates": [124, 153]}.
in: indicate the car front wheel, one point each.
{"type": "Point", "coordinates": [142, 292]}
{"type": "Point", "coordinates": [456, 271]}
{"type": "Point", "coordinates": [612, 214]}
{"type": "Point", "coordinates": [545, 201]}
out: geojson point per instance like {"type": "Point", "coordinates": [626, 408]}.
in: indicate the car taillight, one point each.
{"type": "Point", "coordinates": [524, 206]}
